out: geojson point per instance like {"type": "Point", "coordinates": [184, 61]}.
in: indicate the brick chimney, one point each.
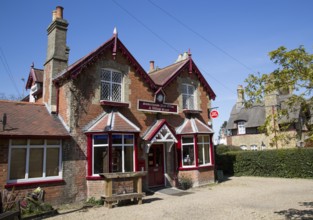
{"type": "Point", "coordinates": [151, 66]}
{"type": "Point", "coordinates": [57, 56]}
{"type": "Point", "coordinates": [240, 97]}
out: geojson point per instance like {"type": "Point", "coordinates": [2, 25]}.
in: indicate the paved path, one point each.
{"type": "Point", "coordinates": [236, 198]}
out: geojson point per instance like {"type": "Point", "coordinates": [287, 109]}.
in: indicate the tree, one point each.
{"type": "Point", "coordinates": [295, 70]}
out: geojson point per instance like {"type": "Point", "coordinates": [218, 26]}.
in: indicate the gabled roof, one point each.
{"type": "Point", "coordinates": [113, 44]}
{"type": "Point", "coordinates": [35, 75]}
{"type": "Point", "coordinates": [163, 77]}
{"type": "Point", "coordinates": [194, 126]}
{"type": "Point", "coordinates": [113, 121]}
{"type": "Point", "coordinates": [29, 120]}
{"type": "Point", "coordinates": [162, 129]}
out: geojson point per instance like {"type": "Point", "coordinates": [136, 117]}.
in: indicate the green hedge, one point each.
{"type": "Point", "coordinates": [288, 163]}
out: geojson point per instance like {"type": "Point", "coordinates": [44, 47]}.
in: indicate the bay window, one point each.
{"type": "Point", "coordinates": [121, 157]}
{"type": "Point", "coordinates": [188, 151]}
{"type": "Point", "coordinates": [203, 150]}
{"type": "Point", "coordinates": [32, 159]}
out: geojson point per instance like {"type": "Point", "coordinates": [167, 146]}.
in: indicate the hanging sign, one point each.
{"type": "Point", "coordinates": [214, 114]}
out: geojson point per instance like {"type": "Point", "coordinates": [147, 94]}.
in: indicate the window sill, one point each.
{"type": "Point", "coordinates": [94, 178]}
{"type": "Point", "coordinates": [115, 104]}
{"type": "Point", "coordinates": [191, 111]}
{"type": "Point", "coordinates": [196, 168]}
{"type": "Point", "coordinates": [31, 183]}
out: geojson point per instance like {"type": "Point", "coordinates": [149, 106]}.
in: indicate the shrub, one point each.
{"type": "Point", "coordinates": [184, 182]}
{"type": "Point", "coordinates": [221, 149]}
{"type": "Point", "coordinates": [94, 202]}
{"type": "Point", "coordinates": [287, 163]}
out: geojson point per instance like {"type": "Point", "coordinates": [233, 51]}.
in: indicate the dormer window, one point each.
{"type": "Point", "coordinates": [241, 127]}
{"type": "Point", "coordinates": [111, 85]}
{"type": "Point", "coordinates": [189, 97]}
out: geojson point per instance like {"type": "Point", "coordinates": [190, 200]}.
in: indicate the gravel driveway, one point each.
{"type": "Point", "coordinates": [235, 198]}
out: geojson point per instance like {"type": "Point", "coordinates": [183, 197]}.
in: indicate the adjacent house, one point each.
{"type": "Point", "coordinates": [244, 123]}
{"type": "Point", "coordinates": [105, 114]}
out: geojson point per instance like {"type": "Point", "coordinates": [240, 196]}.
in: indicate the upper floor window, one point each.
{"type": "Point", "coordinates": [34, 159]}
{"type": "Point", "coordinates": [111, 85]}
{"type": "Point", "coordinates": [241, 127]}
{"type": "Point", "coordinates": [189, 97]}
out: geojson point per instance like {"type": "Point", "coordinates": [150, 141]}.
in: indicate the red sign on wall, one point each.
{"type": "Point", "coordinates": [214, 114]}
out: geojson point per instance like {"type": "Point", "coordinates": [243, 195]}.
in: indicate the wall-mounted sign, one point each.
{"type": "Point", "coordinates": [214, 114]}
{"type": "Point", "coordinates": [158, 105]}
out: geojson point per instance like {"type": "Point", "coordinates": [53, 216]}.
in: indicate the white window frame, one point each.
{"type": "Point", "coordinates": [111, 85]}
{"type": "Point", "coordinates": [93, 151]}
{"type": "Point", "coordinates": [203, 153]}
{"type": "Point", "coordinates": [243, 147]}
{"type": "Point", "coordinates": [182, 150]}
{"type": "Point", "coordinates": [189, 95]}
{"type": "Point", "coordinates": [123, 149]}
{"type": "Point", "coordinates": [28, 147]}
{"type": "Point", "coordinates": [241, 127]}
{"type": "Point", "coordinates": [253, 147]}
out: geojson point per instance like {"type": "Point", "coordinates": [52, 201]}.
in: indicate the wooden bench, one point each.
{"type": "Point", "coordinates": [109, 200]}
{"type": "Point", "coordinates": [9, 215]}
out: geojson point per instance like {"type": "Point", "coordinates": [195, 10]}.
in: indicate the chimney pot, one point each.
{"type": "Point", "coordinates": [59, 12]}
{"type": "Point", "coordinates": [151, 66]}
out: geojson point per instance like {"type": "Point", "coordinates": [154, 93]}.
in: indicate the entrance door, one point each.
{"type": "Point", "coordinates": [156, 165]}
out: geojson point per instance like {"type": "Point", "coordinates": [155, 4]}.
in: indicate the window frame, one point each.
{"type": "Point", "coordinates": [182, 151]}
{"type": "Point", "coordinates": [123, 150]}
{"type": "Point", "coordinates": [111, 85]}
{"type": "Point", "coordinates": [110, 146]}
{"type": "Point", "coordinates": [28, 147]}
{"type": "Point", "coordinates": [188, 94]}
{"type": "Point", "coordinates": [93, 151]}
{"type": "Point", "coordinates": [203, 143]}
{"type": "Point", "coordinates": [241, 125]}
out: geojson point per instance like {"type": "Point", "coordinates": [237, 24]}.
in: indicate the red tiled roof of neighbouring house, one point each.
{"type": "Point", "coordinates": [113, 121]}
{"type": "Point", "coordinates": [29, 119]}
{"type": "Point", "coordinates": [193, 126]}
{"type": "Point", "coordinates": [35, 75]}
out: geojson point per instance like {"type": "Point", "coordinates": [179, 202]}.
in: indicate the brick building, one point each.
{"type": "Point", "coordinates": [112, 116]}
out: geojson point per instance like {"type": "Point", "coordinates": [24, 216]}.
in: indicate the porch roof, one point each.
{"type": "Point", "coordinates": [113, 121]}
{"type": "Point", "coordinates": [194, 126]}
{"type": "Point", "coordinates": [160, 131]}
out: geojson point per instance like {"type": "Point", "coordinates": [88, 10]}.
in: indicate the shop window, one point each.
{"type": "Point", "coordinates": [204, 150]}
{"type": "Point", "coordinates": [188, 151]}
{"type": "Point", "coordinates": [34, 159]}
{"type": "Point", "coordinates": [241, 127]}
{"type": "Point", "coordinates": [122, 154]}
{"type": "Point", "coordinates": [111, 85]}
{"type": "Point", "coordinates": [189, 97]}
{"type": "Point", "coordinates": [100, 154]}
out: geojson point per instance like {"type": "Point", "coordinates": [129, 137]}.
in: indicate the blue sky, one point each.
{"type": "Point", "coordinates": [228, 39]}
